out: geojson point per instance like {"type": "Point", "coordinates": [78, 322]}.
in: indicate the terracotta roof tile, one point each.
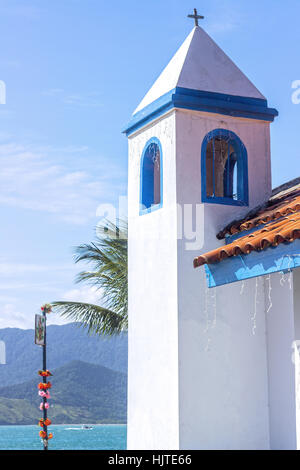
{"type": "Point", "coordinates": [278, 222]}
{"type": "Point", "coordinates": [280, 205]}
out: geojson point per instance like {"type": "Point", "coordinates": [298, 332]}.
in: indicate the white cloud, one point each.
{"type": "Point", "coordinates": [55, 319]}
{"type": "Point", "coordinates": [7, 298]}
{"type": "Point", "coordinates": [53, 92]}
{"type": "Point", "coordinates": [90, 295]}
{"type": "Point", "coordinates": [23, 268]}
{"type": "Point", "coordinates": [31, 179]}
{"type": "Point", "coordinates": [229, 17]}
{"type": "Point", "coordinates": [90, 100]}
{"type": "Point", "coordinates": [10, 317]}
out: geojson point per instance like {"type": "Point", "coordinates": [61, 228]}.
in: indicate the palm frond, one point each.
{"type": "Point", "coordinates": [107, 256]}
{"type": "Point", "coordinates": [96, 319]}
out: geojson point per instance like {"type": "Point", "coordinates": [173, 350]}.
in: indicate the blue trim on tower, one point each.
{"type": "Point", "coordinates": [146, 210]}
{"type": "Point", "coordinates": [242, 169]}
{"type": "Point", "coordinates": [186, 98]}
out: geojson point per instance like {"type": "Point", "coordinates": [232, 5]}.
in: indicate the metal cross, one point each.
{"type": "Point", "coordinates": [196, 17]}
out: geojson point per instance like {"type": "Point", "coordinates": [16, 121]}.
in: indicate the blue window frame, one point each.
{"type": "Point", "coordinates": [224, 169]}
{"type": "Point", "coordinates": [151, 177]}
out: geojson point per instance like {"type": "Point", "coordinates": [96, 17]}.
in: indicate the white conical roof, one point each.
{"type": "Point", "coordinates": [200, 64]}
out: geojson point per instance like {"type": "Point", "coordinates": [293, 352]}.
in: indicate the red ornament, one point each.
{"type": "Point", "coordinates": [44, 373]}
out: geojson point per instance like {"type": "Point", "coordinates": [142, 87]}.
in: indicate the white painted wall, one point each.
{"type": "Point", "coordinates": [297, 391]}
{"type": "Point", "coordinates": [180, 395]}
{"type": "Point", "coordinates": [191, 128]}
{"type": "Point", "coordinates": [223, 393]}
{"type": "Point", "coordinates": [296, 284]}
{"type": "Point", "coordinates": [153, 323]}
{"type": "Point", "coordinates": [281, 370]}
{"type": "Point", "coordinates": [296, 290]}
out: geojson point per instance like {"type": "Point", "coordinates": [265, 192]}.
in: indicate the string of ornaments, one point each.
{"type": "Point", "coordinates": [44, 393]}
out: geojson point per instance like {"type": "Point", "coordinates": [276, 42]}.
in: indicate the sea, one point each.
{"type": "Point", "coordinates": [65, 437]}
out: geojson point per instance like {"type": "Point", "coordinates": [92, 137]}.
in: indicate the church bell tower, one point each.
{"type": "Point", "coordinates": [199, 157]}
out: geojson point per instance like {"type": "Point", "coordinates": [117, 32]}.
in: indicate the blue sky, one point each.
{"type": "Point", "coordinates": [74, 71]}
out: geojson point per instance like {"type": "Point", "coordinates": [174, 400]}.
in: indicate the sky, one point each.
{"type": "Point", "coordinates": [74, 72]}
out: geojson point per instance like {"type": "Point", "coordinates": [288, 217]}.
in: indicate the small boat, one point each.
{"type": "Point", "coordinates": [86, 426]}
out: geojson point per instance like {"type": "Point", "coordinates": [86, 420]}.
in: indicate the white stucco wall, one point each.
{"type": "Point", "coordinates": [180, 395]}
{"type": "Point", "coordinates": [191, 128]}
{"type": "Point", "coordinates": [296, 284]}
{"type": "Point", "coordinates": [281, 369]}
{"type": "Point", "coordinates": [223, 375]}
{"type": "Point", "coordinates": [296, 289]}
{"type": "Point", "coordinates": [223, 393]}
{"type": "Point", "coordinates": [153, 324]}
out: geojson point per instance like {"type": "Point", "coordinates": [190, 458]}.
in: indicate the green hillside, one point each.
{"type": "Point", "coordinates": [14, 411]}
{"type": "Point", "coordinates": [81, 392]}
{"type": "Point", "coordinates": [65, 343]}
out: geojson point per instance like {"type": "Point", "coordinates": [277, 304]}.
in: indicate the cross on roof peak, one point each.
{"type": "Point", "coordinates": [196, 17]}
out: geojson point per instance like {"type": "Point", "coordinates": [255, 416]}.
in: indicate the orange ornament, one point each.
{"type": "Point", "coordinates": [43, 434]}
{"type": "Point", "coordinates": [50, 435]}
{"type": "Point", "coordinates": [42, 386]}
{"type": "Point", "coordinates": [44, 373]}
{"type": "Point", "coordinates": [47, 422]}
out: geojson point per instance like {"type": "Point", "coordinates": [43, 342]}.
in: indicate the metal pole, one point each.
{"type": "Point", "coordinates": [45, 440]}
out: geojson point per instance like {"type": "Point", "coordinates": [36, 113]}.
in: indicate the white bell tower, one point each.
{"type": "Point", "coordinates": [199, 157]}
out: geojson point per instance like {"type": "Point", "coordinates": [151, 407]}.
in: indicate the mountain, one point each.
{"type": "Point", "coordinates": [80, 393]}
{"type": "Point", "coordinates": [65, 343]}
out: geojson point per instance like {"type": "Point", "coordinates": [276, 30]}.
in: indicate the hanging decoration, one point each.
{"type": "Point", "coordinates": [45, 373]}
{"type": "Point", "coordinates": [44, 394]}
{"type": "Point", "coordinates": [42, 406]}
{"type": "Point", "coordinates": [44, 386]}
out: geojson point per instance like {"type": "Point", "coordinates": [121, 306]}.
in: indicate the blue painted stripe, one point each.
{"type": "Point", "coordinates": [153, 207]}
{"type": "Point", "coordinates": [185, 98]}
{"type": "Point", "coordinates": [284, 257]}
{"type": "Point", "coordinates": [221, 96]}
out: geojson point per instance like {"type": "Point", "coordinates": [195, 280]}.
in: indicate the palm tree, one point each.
{"type": "Point", "coordinates": [108, 258]}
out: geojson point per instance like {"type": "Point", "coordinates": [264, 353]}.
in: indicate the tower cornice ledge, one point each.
{"type": "Point", "coordinates": [196, 100]}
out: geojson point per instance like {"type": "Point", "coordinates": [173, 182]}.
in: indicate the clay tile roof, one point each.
{"type": "Point", "coordinates": [275, 222]}
{"type": "Point", "coordinates": [281, 200]}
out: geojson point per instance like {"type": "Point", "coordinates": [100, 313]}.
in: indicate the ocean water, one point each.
{"type": "Point", "coordinates": [65, 437]}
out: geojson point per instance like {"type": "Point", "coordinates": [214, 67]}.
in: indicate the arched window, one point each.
{"type": "Point", "coordinates": [151, 177]}
{"type": "Point", "coordinates": [224, 169]}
